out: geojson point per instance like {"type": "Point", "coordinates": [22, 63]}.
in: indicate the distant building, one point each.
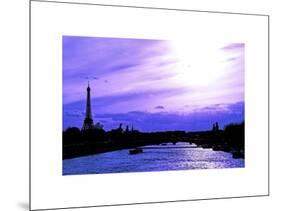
{"type": "Point", "coordinates": [216, 127]}
{"type": "Point", "coordinates": [88, 121]}
{"type": "Point", "coordinates": [98, 126]}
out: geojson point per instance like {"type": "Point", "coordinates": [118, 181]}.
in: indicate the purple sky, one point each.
{"type": "Point", "coordinates": [154, 85]}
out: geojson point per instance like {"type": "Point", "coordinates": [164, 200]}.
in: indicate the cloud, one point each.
{"type": "Point", "coordinates": [130, 99]}
{"type": "Point", "coordinates": [74, 113]}
{"type": "Point", "coordinates": [145, 76]}
{"type": "Point", "coordinates": [129, 65]}
{"type": "Point", "coordinates": [159, 107]}
{"type": "Point", "coordinates": [161, 121]}
{"type": "Point", "coordinates": [90, 77]}
{"type": "Point", "coordinates": [234, 108]}
{"type": "Point", "coordinates": [209, 108]}
{"type": "Point", "coordinates": [123, 66]}
{"type": "Point", "coordinates": [233, 46]}
{"type": "Point", "coordinates": [232, 59]}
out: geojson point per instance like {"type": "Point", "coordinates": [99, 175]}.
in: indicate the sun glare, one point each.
{"type": "Point", "coordinates": [197, 65]}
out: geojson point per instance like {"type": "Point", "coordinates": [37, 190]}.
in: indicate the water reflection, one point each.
{"type": "Point", "coordinates": [182, 156]}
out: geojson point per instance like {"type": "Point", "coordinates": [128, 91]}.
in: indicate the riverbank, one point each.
{"type": "Point", "coordinates": [91, 148]}
{"type": "Point", "coordinates": [78, 143]}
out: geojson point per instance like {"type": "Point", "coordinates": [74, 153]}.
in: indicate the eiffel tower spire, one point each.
{"type": "Point", "coordinates": [88, 121]}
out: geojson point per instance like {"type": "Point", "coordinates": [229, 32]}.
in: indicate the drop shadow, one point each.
{"type": "Point", "coordinates": [23, 205]}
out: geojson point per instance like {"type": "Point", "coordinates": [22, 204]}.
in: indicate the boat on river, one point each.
{"type": "Point", "coordinates": [135, 151]}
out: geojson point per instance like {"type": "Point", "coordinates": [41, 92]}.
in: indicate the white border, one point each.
{"type": "Point", "coordinates": [50, 189]}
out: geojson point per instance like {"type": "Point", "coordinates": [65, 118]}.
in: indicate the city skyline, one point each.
{"type": "Point", "coordinates": [155, 85]}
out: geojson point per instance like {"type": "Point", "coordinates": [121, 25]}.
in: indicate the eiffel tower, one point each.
{"type": "Point", "coordinates": [88, 121]}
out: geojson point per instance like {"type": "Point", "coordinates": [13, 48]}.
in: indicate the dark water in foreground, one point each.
{"type": "Point", "coordinates": [160, 158]}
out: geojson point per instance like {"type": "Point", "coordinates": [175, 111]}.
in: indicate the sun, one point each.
{"type": "Point", "coordinates": [197, 64]}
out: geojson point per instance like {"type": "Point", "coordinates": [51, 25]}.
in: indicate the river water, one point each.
{"type": "Point", "coordinates": [182, 156]}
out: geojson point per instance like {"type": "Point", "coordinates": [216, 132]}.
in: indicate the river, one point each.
{"type": "Point", "coordinates": [182, 156]}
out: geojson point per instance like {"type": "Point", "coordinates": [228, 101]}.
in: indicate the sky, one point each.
{"type": "Point", "coordinates": [153, 85]}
